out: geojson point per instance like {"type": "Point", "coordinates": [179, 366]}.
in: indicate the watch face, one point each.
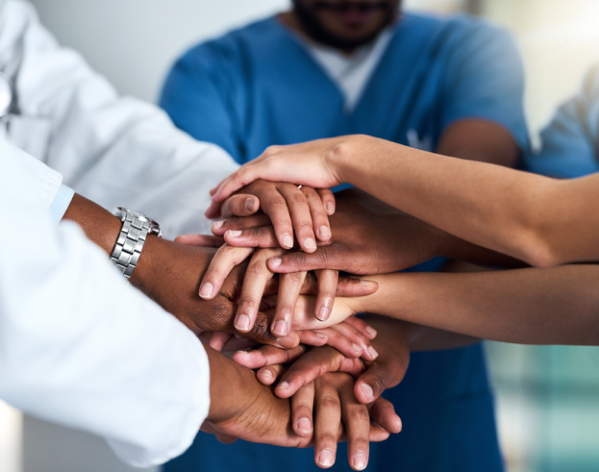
{"type": "Point", "coordinates": [6, 95]}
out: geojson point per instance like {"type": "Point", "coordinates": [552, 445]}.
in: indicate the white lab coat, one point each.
{"type": "Point", "coordinates": [114, 151]}
{"type": "Point", "coordinates": [76, 345]}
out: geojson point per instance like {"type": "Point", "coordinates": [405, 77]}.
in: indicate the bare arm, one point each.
{"type": "Point", "coordinates": [528, 306]}
{"type": "Point", "coordinates": [542, 221]}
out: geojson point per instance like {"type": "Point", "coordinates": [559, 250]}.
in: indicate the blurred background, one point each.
{"type": "Point", "coordinates": [547, 397]}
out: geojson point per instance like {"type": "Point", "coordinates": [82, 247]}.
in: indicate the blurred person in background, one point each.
{"type": "Point", "coordinates": [327, 68]}
{"type": "Point", "coordinates": [78, 346]}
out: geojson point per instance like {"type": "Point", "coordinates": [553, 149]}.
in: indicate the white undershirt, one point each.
{"type": "Point", "coordinates": [350, 72]}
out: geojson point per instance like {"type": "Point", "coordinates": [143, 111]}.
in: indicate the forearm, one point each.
{"type": "Point", "coordinates": [491, 206]}
{"type": "Point", "coordinates": [528, 306]}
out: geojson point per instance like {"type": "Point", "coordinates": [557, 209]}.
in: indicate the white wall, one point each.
{"type": "Point", "coordinates": [133, 42]}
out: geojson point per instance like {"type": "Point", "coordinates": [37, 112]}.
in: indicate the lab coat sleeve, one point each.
{"type": "Point", "coordinates": [113, 150]}
{"type": "Point", "coordinates": [81, 348]}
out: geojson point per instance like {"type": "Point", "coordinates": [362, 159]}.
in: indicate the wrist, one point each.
{"type": "Point", "coordinates": [341, 159]}
{"type": "Point", "coordinates": [230, 387]}
{"type": "Point", "coordinates": [99, 225]}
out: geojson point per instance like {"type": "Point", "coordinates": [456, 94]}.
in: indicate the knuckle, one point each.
{"type": "Point", "coordinates": [273, 149]}
{"type": "Point", "coordinates": [296, 278]}
{"type": "Point", "coordinates": [298, 198]}
{"type": "Point", "coordinates": [248, 302]}
{"type": "Point", "coordinates": [261, 330]}
{"type": "Point", "coordinates": [358, 414]}
{"type": "Point", "coordinates": [276, 202]}
{"type": "Point", "coordinates": [327, 437]}
{"type": "Point", "coordinates": [256, 268]}
{"type": "Point", "coordinates": [330, 401]}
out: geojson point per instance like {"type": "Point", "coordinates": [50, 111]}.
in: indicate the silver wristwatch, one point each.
{"type": "Point", "coordinates": [136, 227]}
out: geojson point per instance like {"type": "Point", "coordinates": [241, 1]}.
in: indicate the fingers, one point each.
{"type": "Point", "coordinates": [316, 337]}
{"type": "Point", "coordinates": [327, 421]}
{"type": "Point", "coordinates": [300, 215]}
{"type": "Point", "coordinates": [223, 262]}
{"type": "Point", "coordinates": [357, 426]}
{"type": "Point", "coordinates": [350, 341]}
{"type": "Point", "coordinates": [346, 286]}
{"type": "Point", "coordinates": [327, 288]}
{"type": "Point", "coordinates": [328, 200]}
{"type": "Point", "coordinates": [320, 218]}
{"type": "Point", "coordinates": [218, 340]}
{"type": "Point", "coordinates": [289, 290]}
{"type": "Point", "coordinates": [302, 404]}
{"type": "Point", "coordinates": [383, 412]}
{"type": "Point", "coordinates": [243, 176]}
{"type": "Point", "coordinates": [351, 287]}
{"type": "Point", "coordinates": [362, 326]}
{"type": "Point", "coordinates": [269, 375]}
{"type": "Point", "coordinates": [313, 365]}
{"type": "Point", "coordinates": [256, 278]}
{"type": "Point", "coordinates": [219, 228]}
{"type": "Point", "coordinates": [240, 205]}
{"type": "Point", "coordinates": [379, 377]}
{"type": "Point", "coordinates": [263, 236]}
{"type": "Point", "coordinates": [326, 257]}
{"type": "Point", "coordinates": [202, 240]}
{"type": "Point", "coordinates": [267, 355]}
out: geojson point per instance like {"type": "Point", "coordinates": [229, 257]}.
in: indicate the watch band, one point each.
{"type": "Point", "coordinates": [136, 228]}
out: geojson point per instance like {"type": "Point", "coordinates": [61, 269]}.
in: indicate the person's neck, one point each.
{"type": "Point", "coordinates": [290, 20]}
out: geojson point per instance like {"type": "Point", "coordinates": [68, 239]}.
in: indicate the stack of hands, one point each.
{"type": "Point", "coordinates": [268, 296]}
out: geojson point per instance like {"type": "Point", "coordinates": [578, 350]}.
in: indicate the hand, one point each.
{"type": "Point", "coordinates": [255, 284]}
{"type": "Point", "coordinates": [313, 163]}
{"type": "Point", "coordinates": [352, 337]}
{"type": "Point", "coordinates": [370, 237]}
{"type": "Point", "coordinates": [322, 406]}
{"type": "Point", "coordinates": [388, 370]}
{"type": "Point", "coordinates": [243, 408]}
{"type": "Point", "coordinates": [288, 207]}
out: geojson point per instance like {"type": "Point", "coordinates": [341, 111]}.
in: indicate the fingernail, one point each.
{"type": "Point", "coordinates": [324, 232]}
{"type": "Point", "coordinates": [326, 458]}
{"type": "Point", "coordinates": [324, 313]}
{"type": "Point", "coordinates": [371, 331]}
{"type": "Point", "coordinates": [356, 347]}
{"type": "Point", "coordinates": [276, 261]}
{"type": "Point", "coordinates": [321, 335]}
{"type": "Point", "coordinates": [266, 374]}
{"type": "Point", "coordinates": [372, 352]}
{"type": "Point", "coordinates": [369, 284]}
{"type": "Point", "coordinates": [368, 392]}
{"type": "Point", "coordinates": [281, 328]}
{"type": "Point", "coordinates": [234, 234]}
{"type": "Point", "coordinates": [241, 352]}
{"type": "Point", "coordinates": [206, 290]}
{"type": "Point", "coordinates": [310, 243]}
{"type": "Point", "coordinates": [287, 241]}
{"type": "Point", "coordinates": [304, 425]}
{"type": "Point", "coordinates": [330, 208]}
{"type": "Point", "coordinates": [283, 385]}
{"type": "Point", "coordinates": [242, 323]}
{"type": "Point", "coordinates": [250, 203]}
{"type": "Point", "coordinates": [218, 224]}
{"type": "Point", "coordinates": [359, 461]}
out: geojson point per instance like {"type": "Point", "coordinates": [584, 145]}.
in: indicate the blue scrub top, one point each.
{"type": "Point", "coordinates": [258, 86]}
{"type": "Point", "coordinates": [570, 144]}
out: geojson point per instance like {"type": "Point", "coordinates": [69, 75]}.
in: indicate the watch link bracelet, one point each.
{"type": "Point", "coordinates": [136, 227]}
